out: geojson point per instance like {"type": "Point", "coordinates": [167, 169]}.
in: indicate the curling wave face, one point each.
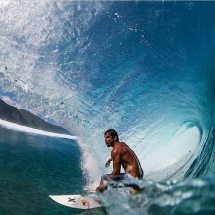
{"type": "Point", "coordinates": [143, 68]}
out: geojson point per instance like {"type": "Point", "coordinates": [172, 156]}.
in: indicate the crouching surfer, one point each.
{"type": "Point", "coordinates": [121, 155]}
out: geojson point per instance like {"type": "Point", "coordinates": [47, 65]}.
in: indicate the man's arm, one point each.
{"type": "Point", "coordinates": [116, 156]}
{"type": "Point", "coordinates": [108, 162]}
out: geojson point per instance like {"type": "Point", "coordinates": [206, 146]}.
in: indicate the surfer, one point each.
{"type": "Point", "coordinates": [121, 155]}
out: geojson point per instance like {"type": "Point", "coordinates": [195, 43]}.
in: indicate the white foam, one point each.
{"type": "Point", "coordinates": [26, 129]}
{"type": "Point", "coordinates": [90, 166]}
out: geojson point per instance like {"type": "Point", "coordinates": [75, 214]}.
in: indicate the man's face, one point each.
{"type": "Point", "coordinates": [109, 140]}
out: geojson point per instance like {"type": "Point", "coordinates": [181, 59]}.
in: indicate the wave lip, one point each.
{"type": "Point", "coordinates": [172, 160]}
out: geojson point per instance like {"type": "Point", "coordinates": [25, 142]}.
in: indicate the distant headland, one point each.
{"type": "Point", "coordinates": [26, 118]}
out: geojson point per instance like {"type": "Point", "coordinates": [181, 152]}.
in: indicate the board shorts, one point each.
{"type": "Point", "coordinates": [118, 178]}
{"type": "Point", "coordinates": [121, 180]}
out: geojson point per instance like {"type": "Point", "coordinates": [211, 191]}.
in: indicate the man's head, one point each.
{"type": "Point", "coordinates": [113, 134]}
{"type": "Point", "coordinates": [110, 137]}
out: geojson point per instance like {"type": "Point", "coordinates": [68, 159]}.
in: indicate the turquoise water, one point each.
{"type": "Point", "coordinates": [144, 68]}
{"type": "Point", "coordinates": [35, 166]}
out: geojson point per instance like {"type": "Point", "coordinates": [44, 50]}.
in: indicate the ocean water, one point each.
{"type": "Point", "coordinates": [145, 68]}
{"type": "Point", "coordinates": [35, 166]}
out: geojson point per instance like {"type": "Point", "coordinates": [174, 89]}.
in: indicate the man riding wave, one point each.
{"type": "Point", "coordinates": [121, 155]}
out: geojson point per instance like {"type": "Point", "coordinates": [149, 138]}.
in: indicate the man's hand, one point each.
{"type": "Point", "coordinates": [108, 162]}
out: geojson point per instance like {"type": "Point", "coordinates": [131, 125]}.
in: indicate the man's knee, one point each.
{"type": "Point", "coordinates": [105, 177]}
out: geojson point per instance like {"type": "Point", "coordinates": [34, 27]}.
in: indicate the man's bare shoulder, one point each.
{"type": "Point", "coordinates": [122, 147]}
{"type": "Point", "coordinates": [117, 148]}
{"type": "Point", "coordinates": [123, 144]}
{"type": "Point", "coordinates": [116, 151]}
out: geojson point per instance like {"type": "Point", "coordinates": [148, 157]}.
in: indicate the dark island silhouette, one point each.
{"type": "Point", "coordinates": [26, 118]}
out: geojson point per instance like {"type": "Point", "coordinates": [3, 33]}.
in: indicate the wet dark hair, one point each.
{"type": "Point", "coordinates": [113, 133]}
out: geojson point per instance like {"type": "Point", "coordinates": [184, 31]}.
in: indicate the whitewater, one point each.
{"type": "Point", "coordinates": [144, 68]}
{"type": "Point", "coordinates": [17, 127]}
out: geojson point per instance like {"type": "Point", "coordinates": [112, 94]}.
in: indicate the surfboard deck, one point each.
{"type": "Point", "coordinates": [78, 201]}
{"type": "Point", "coordinates": [90, 201]}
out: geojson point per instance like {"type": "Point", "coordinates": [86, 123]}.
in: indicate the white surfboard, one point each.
{"type": "Point", "coordinates": [91, 200]}
{"type": "Point", "coordinates": [78, 201]}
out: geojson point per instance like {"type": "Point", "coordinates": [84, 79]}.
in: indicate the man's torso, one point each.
{"type": "Point", "coordinates": [129, 160]}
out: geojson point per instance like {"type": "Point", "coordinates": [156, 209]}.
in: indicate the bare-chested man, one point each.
{"type": "Point", "coordinates": [121, 155]}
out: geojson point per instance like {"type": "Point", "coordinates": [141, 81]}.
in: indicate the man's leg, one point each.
{"type": "Point", "coordinates": [103, 183]}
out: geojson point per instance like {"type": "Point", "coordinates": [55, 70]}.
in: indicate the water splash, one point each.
{"type": "Point", "coordinates": [189, 197]}
{"type": "Point", "coordinates": [133, 66]}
